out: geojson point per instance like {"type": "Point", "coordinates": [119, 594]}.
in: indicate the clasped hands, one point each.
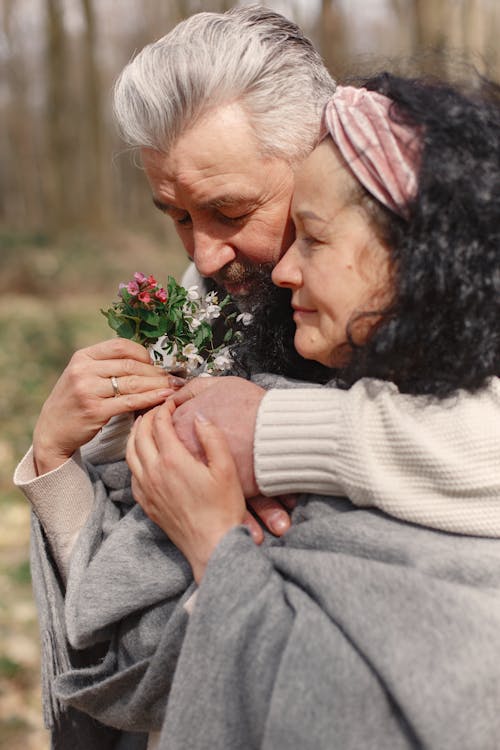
{"type": "Point", "coordinates": [186, 476]}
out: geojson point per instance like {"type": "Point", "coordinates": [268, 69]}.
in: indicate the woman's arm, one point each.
{"type": "Point", "coordinates": [427, 461]}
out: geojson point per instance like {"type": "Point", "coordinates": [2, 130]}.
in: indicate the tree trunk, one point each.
{"type": "Point", "coordinates": [94, 163]}
{"type": "Point", "coordinates": [333, 39]}
{"type": "Point", "coordinates": [57, 120]}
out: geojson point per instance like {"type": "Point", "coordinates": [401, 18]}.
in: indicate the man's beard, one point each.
{"type": "Point", "coordinates": [247, 276]}
{"type": "Point", "coordinates": [267, 344]}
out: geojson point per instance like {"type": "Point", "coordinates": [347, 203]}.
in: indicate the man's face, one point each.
{"type": "Point", "coordinates": [230, 205]}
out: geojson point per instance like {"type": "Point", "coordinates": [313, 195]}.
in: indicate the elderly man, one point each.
{"type": "Point", "coordinates": [223, 108]}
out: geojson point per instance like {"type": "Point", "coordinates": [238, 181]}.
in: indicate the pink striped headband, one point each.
{"type": "Point", "coordinates": [384, 155]}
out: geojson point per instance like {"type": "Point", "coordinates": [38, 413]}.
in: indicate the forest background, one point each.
{"type": "Point", "coordinates": [76, 216]}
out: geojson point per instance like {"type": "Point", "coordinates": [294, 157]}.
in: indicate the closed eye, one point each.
{"type": "Point", "coordinates": [233, 220]}
{"type": "Point", "coordinates": [309, 241]}
{"type": "Point", "coordinates": [183, 221]}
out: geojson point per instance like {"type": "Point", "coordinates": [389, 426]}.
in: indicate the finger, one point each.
{"type": "Point", "coordinates": [165, 434]}
{"type": "Point", "coordinates": [144, 452]}
{"type": "Point", "coordinates": [254, 528]}
{"type": "Point", "coordinates": [289, 501]}
{"type": "Point", "coordinates": [214, 443]}
{"type": "Point", "coordinates": [271, 513]}
{"type": "Point", "coordinates": [130, 367]}
{"type": "Point", "coordinates": [131, 456]}
{"type": "Point", "coordinates": [195, 386]}
{"type": "Point", "coordinates": [118, 348]}
{"type": "Point", "coordinates": [182, 395]}
{"type": "Point", "coordinates": [111, 407]}
{"type": "Point", "coordinates": [130, 385]}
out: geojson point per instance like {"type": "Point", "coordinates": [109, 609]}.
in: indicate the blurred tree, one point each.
{"type": "Point", "coordinates": [20, 190]}
{"type": "Point", "coordinates": [97, 206]}
{"type": "Point", "coordinates": [58, 125]}
{"type": "Point", "coordinates": [333, 37]}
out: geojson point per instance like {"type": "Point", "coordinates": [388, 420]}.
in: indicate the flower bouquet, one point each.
{"type": "Point", "coordinates": [174, 324]}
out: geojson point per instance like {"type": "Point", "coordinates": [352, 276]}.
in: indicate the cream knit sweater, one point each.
{"type": "Point", "coordinates": [435, 463]}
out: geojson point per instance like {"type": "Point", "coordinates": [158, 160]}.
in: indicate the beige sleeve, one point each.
{"type": "Point", "coordinates": [435, 463]}
{"type": "Point", "coordinates": [62, 500]}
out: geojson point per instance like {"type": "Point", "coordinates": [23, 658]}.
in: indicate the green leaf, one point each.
{"type": "Point", "coordinates": [126, 329]}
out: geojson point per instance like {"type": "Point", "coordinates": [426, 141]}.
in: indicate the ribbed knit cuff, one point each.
{"type": "Point", "coordinates": [297, 441]}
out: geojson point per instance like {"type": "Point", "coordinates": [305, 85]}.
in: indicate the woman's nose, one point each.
{"type": "Point", "coordinates": [286, 272]}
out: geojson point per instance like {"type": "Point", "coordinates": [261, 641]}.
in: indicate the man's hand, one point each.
{"type": "Point", "coordinates": [231, 403]}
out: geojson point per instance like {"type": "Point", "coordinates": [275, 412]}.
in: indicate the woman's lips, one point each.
{"type": "Point", "coordinates": [301, 312]}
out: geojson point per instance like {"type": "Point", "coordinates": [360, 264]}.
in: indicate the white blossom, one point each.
{"type": "Point", "coordinates": [193, 323]}
{"type": "Point", "coordinates": [223, 360]}
{"type": "Point", "coordinates": [212, 312]}
{"type": "Point", "coordinates": [193, 292]}
{"type": "Point", "coordinates": [211, 298]}
{"type": "Point", "coordinates": [190, 352]}
{"type": "Point", "coordinates": [164, 353]}
{"type": "Point", "coordinates": [245, 318]}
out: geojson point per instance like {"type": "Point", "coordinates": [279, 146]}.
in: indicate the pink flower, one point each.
{"type": "Point", "coordinates": [144, 297]}
{"type": "Point", "coordinates": [139, 277]}
{"type": "Point", "coordinates": [151, 281]}
{"type": "Point", "coordinates": [133, 288]}
{"type": "Point", "coordinates": [161, 295]}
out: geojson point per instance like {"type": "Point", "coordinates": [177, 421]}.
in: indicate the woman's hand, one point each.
{"type": "Point", "coordinates": [195, 503]}
{"type": "Point", "coordinates": [84, 398]}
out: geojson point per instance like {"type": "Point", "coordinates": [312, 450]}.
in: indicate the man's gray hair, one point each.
{"type": "Point", "coordinates": [250, 55]}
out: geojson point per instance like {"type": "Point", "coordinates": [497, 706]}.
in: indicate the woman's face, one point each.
{"type": "Point", "coordinates": [337, 267]}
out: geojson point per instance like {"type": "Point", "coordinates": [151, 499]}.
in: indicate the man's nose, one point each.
{"type": "Point", "coordinates": [210, 253]}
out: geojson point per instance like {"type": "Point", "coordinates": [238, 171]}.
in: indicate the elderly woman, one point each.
{"type": "Point", "coordinates": [354, 629]}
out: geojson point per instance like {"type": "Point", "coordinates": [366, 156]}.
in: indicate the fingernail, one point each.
{"type": "Point", "coordinates": [177, 381]}
{"type": "Point", "coordinates": [165, 392]}
{"type": "Point", "coordinates": [280, 522]}
{"type": "Point", "coordinates": [201, 417]}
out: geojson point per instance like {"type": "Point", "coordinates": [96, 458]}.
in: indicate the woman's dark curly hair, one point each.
{"type": "Point", "coordinates": [442, 331]}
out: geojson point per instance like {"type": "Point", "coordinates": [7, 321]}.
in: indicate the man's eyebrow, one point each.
{"type": "Point", "coordinates": [161, 206]}
{"type": "Point", "coordinates": [223, 201]}
{"type": "Point", "coordinates": [229, 201]}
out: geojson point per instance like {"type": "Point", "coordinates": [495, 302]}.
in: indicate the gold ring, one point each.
{"type": "Point", "coordinates": [114, 384]}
